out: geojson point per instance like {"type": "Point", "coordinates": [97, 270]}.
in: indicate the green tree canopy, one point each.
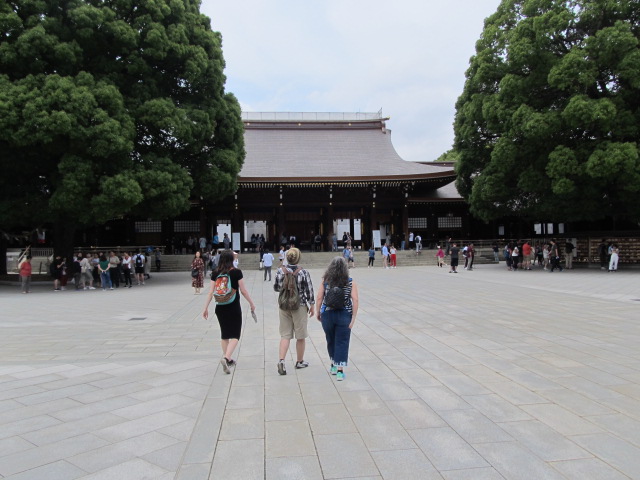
{"type": "Point", "coordinates": [448, 156]}
{"type": "Point", "coordinates": [548, 123]}
{"type": "Point", "coordinates": [111, 107]}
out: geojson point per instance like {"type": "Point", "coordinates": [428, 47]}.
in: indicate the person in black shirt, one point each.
{"type": "Point", "coordinates": [454, 252]}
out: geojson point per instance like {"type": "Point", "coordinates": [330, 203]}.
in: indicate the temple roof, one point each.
{"type": "Point", "coordinates": [320, 149]}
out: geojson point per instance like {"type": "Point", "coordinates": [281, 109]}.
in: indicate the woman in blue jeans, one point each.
{"type": "Point", "coordinates": [105, 277]}
{"type": "Point", "coordinates": [338, 319]}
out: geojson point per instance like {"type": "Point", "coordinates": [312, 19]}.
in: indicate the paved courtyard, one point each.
{"type": "Point", "coordinates": [482, 375]}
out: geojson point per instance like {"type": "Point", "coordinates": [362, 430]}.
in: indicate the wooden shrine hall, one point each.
{"type": "Point", "coordinates": [305, 172]}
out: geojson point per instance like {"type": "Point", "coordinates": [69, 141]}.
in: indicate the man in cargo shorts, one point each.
{"type": "Point", "coordinates": [295, 322]}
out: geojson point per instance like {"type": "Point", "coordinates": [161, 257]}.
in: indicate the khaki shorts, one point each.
{"type": "Point", "coordinates": [294, 322]}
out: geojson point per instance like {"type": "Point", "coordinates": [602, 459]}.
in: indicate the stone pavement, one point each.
{"type": "Point", "coordinates": [481, 375]}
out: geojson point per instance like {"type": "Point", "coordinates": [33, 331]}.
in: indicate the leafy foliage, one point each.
{"type": "Point", "coordinates": [448, 156]}
{"type": "Point", "coordinates": [111, 107]}
{"type": "Point", "coordinates": [547, 125]}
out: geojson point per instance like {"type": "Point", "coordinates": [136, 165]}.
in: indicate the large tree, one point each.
{"type": "Point", "coordinates": [548, 123]}
{"type": "Point", "coordinates": [111, 107]}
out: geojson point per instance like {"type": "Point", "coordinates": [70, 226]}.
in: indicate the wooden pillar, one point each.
{"type": "Point", "coordinates": [167, 236]}
{"type": "Point", "coordinates": [213, 222]}
{"type": "Point", "coordinates": [405, 226]}
{"type": "Point", "coordinates": [203, 220]}
{"type": "Point", "coordinates": [281, 222]}
{"type": "Point", "coordinates": [329, 218]}
{"type": "Point", "coordinates": [237, 223]}
{"type": "Point", "coordinates": [373, 219]}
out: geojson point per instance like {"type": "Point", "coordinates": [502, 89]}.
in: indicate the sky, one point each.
{"type": "Point", "coordinates": [406, 57]}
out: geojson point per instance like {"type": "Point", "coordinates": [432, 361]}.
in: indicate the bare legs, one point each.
{"type": "Point", "coordinates": [300, 347]}
{"type": "Point", "coordinates": [228, 347]}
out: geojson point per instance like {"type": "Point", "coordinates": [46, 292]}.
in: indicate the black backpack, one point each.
{"type": "Point", "coordinates": [334, 298]}
{"type": "Point", "coordinates": [139, 260]}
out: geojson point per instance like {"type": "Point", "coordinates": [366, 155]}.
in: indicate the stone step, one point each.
{"type": "Point", "coordinates": [180, 263]}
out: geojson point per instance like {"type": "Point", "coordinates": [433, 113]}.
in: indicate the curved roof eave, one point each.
{"type": "Point", "coordinates": [438, 176]}
{"type": "Point", "coordinates": [317, 151]}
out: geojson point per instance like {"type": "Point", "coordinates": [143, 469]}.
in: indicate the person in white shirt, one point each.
{"type": "Point", "coordinates": [85, 272]}
{"type": "Point", "coordinates": [281, 256]}
{"type": "Point", "coordinates": [268, 259]}
{"type": "Point", "coordinates": [126, 269]}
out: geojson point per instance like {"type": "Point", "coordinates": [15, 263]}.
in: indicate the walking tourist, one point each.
{"type": "Point", "coordinates": [554, 255]}
{"type": "Point", "coordinates": [138, 263]}
{"type": "Point", "coordinates": [526, 254]}
{"type": "Point", "coordinates": [440, 256]}
{"type": "Point", "coordinates": [545, 256]}
{"type": "Point", "coordinates": [197, 273]}
{"type": "Point", "coordinates": [515, 257]}
{"type": "Point", "coordinates": [114, 269]}
{"type": "Point", "coordinates": [418, 240]}
{"type": "Point", "coordinates": [385, 256]}
{"type": "Point", "coordinates": [295, 304]}
{"type": "Point", "coordinates": [613, 263]}
{"type": "Point", "coordinates": [471, 255]}
{"type": "Point", "coordinates": [75, 270]}
{"type": "Point", "coordinates": [86, 277]}
{"type": "Point", "coordinates": [568, 258]}
{"type": "Point", "coordinates": [267, 261]}
{"type": "Point", "coordinates": [372, 256]}
{"type": "Point", "coordinates": [228, 281]}
{"type": "Point", "coordinates": [602, 253]}
{"type": "Point", "coordinates": [25, 275]}
{"type": "Point", "coordinates": [338, 300]}
{"type": "Point", "coordinates": [453, 253]}
{"type": "Point", "coordinates": [392, 256]}
{"type": "Point", "coordinates": [105, 277]}
{"type": "Point", "coordinates": [158, 255]}
{"type": "Point", "coordinates": [55, 272]}
{"type": "Point", "coordinates": [126, 269]}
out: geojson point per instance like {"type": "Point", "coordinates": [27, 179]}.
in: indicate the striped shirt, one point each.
{"type": "Point", "coordinates": [303, 279]}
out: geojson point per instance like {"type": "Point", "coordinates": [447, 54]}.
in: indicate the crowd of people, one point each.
{"type": "Point", "coordinates": [96, 270]}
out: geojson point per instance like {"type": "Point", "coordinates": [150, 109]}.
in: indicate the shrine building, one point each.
{"type": "Point", "coordinates": [321, 173]}
{"type": "Point", "coordinates": [310, 173]}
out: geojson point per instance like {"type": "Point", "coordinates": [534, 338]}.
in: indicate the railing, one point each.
{"type": "Point", "coordinates": [118, 248]}
{"type": "Point", "coordinates": [311, 116]}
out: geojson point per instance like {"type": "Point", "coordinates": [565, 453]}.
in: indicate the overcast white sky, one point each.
{"type": "Point", "coordinates": [406, 57]}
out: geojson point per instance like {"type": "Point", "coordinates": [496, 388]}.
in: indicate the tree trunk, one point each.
{"type": "Point", "coordinates": [3, 254]}
{"type": "Point", "coordinates": [64, 237]}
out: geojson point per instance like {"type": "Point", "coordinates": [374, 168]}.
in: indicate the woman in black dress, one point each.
{"type": "Point", "coordinates": [229, 315]}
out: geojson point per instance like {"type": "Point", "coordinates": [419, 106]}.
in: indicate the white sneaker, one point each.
{"type": "Point", "coordinates": [92, 288]}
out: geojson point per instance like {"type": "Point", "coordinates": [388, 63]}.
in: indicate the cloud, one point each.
{"type": "Point", "coordinates": [407, 57]}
